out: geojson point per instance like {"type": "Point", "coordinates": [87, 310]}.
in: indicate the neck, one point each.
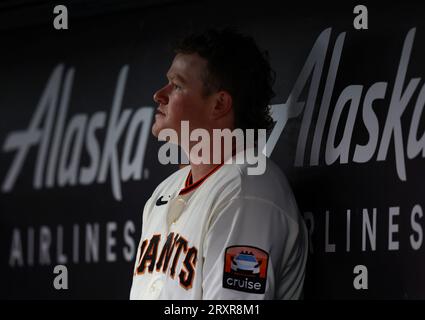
{"type": "Point", "coordinates": [199, 170]}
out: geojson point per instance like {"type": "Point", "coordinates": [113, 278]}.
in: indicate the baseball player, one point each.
{"type": "Point", "coordinates": [213, 231]}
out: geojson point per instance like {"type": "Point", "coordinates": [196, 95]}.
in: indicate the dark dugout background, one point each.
{"type": "Point", "coordinates": [71, 194]}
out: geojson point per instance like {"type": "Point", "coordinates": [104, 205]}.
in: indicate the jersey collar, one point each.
{"type": "Point", "coordinates": [190, 186]}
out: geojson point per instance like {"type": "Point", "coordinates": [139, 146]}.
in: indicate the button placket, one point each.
{"type": "Point", "coordinates": [176, 209]}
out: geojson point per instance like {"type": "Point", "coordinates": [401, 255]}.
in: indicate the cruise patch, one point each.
{"type": "Point", "coordinates": [245, 269]}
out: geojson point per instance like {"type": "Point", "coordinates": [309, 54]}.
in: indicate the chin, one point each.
{"type": "Point", "coordinates": [155, 131]}
{"type": "Point", "coordinates": [158, 126]}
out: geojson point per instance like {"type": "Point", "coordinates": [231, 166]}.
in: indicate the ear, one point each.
{"type": "Point", "coordinates": [223, 104]}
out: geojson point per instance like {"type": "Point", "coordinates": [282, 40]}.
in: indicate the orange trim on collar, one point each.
{"type": "Point", "coordinates": [189, 186]}
{"type": "Point", "coordinates": [188, 179]}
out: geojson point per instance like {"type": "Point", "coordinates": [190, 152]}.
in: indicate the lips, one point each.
{"type": "Point", "coordinates": [159, 112]}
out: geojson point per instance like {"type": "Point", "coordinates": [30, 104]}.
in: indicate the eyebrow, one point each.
{"type": "Point", "coordinates": [179, 77]}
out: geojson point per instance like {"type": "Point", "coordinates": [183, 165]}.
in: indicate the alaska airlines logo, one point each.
{"type": "Point", "coordinates": [59, 149]}
{"type": "Point", "coordinates": [173, 247]}
{"type": "Point", "coordinates": [61, 164]}
{"type": "Point", "coordinates": [349, 99]}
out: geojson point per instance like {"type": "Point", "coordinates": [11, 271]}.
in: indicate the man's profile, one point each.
{"type": "Point", "coordinates": [213, 231]}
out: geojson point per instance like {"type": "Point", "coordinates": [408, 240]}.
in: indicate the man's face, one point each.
{"type": "Point", "coordinates": [182, 97]}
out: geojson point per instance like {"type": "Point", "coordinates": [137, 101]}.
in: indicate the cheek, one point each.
{"type": "Point", "coordinates": [187, 107]}
{"type": "Point", "coordinates": [175, 112]}
{"type": "Point", "coordinates": [181, 108]}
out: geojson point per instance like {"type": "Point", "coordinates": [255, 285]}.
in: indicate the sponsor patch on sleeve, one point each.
{"type": "Point", "coordinates": [245, 269]}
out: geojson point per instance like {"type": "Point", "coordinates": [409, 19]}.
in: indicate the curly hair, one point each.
{"type": "Point", "coordinates": [237, 65]}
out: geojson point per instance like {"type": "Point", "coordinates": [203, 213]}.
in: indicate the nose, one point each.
{"type": "Point", "coordinates": [161, 96]}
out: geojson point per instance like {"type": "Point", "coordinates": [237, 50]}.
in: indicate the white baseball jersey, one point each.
{"type": "Point", "coordinates": [229, 235]}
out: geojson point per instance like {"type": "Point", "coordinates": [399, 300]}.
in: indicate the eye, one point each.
{"type": "Point", "coordinates": [176, 86]}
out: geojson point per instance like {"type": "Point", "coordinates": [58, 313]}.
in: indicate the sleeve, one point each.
{"type": "Point", "coordinates": [248, 251]}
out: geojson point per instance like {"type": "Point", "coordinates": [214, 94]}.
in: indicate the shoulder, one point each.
{"type": "Point", "coordinates": [236, 182]}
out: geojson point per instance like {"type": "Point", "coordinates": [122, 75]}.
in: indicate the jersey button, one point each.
{"type": "Point", "coordinates": [156, 287]}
